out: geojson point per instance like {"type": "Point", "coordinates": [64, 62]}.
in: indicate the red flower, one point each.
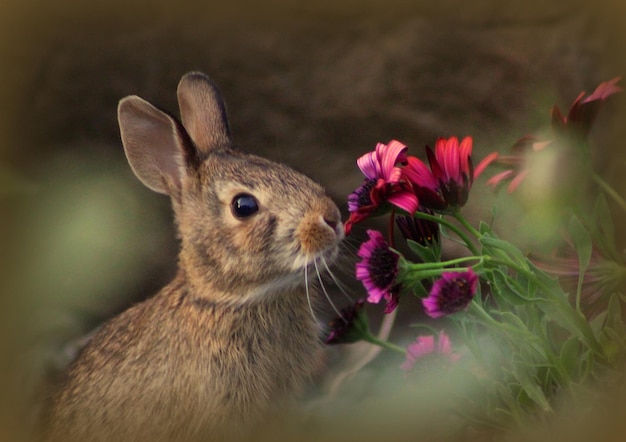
{"type": "Point", "coordinates": [383, 184]}
{"type": "Point", "coordinates": [583, 111]}
{"type": "Point", "coordinates": [450, 177]}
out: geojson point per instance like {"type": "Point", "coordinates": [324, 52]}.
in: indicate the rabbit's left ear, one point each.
{"type": "Point", "coordinates": [157, 147]}
{"type": "Point", "coordinates": [202, 112]}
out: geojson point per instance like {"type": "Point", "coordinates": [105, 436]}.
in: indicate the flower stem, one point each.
{"type": "Point", "coordinates": [465, 223]}
{"type": "Point", "coordinates": [384, 344]}
{"type": "Point", "coordinates": [443, 264]}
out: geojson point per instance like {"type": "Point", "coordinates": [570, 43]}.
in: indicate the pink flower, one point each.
{"type": "Point", "coordinates": [378, 270]}
{"type": "Point", "coordinates": [425, 347]}
{"type": "Point", "coordinates": [451, 293]}
{"type": "Point", "coordinates": [583, 111]}
{"type": "Point", "coordinates": [450, 177]}
{"type": "Point", "coordinates": [383, 184]}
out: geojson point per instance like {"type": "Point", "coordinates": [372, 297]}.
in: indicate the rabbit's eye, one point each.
{"type": "Point", "coordinates": [244, 205]}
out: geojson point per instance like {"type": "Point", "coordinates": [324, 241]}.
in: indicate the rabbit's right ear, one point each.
{"type": "Point", "coordinates": [156, 145]}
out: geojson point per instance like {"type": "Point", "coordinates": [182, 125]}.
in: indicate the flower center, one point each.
{"type": "Point", "coordinates": [383, 267]}
{"type": "Point", "coordinates": [362, 196]}
{"type": "Point", "coordinates": [454, 296]}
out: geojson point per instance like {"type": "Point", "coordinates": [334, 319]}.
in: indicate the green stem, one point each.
{"type": "Point", "coordinates": [462, 235]}
{"type": "Point", "coordinates": [384, 344]}
{"type": "Point", "coordinates": [443, 264]}
{"type": "Point", "coordinates": [610, 191]}
{"type": "Point", "coordinates": [465, 223]}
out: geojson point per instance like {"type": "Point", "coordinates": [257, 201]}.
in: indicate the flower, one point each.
{"type": "Point", "coordinates": [424, 347]}
{"type": "Point", "coordinates": [349, 326]}
{"type": "Point", "coordinates": [450, 177]}
{"type": "Point", "coordinates": [422, 231]}
{"type": "Point", "coordinates": [383, 183]}
{"type": "Point", "coordinates": [583, 111]}
{"type": "Point", "coordinates": [451, 293]}
{"type": "Point", "coordinates": [378, 270]}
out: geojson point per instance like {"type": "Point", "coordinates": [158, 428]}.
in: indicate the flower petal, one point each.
{"type": "Point", "coordinates": [389, 156]}
{"type": "Point", "coordinates": [480, 168]}
{"type": "Point", "coordinates": [405, 201]}
{"type": "Point", "coordinates": [368, 164]}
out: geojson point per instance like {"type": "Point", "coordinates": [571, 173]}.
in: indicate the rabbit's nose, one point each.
{"type": "Point", "coordinates": [334, 222]}
{"type": "Point", "coordinates": [331, 222]}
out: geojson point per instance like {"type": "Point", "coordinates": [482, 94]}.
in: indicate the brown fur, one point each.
{"type": "Point", "coordinates": [231, 340]}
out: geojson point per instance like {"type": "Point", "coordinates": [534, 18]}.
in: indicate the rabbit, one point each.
{"type": "Point", "coordinates": [230, 343]}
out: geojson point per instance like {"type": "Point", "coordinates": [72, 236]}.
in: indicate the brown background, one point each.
{"type": "Point", "coordinates": [312, 84]}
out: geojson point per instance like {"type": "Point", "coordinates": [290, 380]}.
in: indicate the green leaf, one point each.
{"type": "Point", "coordinates": [491, 244]}
{"type": "Point", "coordinates": [484, 228]}
{"type": "Point", "coordinates": [570, 354]}
{"type": "Point", "coordinates": [426, 253]}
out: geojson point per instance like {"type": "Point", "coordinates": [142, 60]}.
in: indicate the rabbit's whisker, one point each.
{"type": "Point", "coordinates": [323, 287]}
{"type": "Point", "coordinates": [339, 285]}
{"type": "Point", "coordinates": [308, 293]}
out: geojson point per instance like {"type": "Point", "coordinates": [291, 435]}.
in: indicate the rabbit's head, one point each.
{"type": "Point", "coordinates": [248, 226]}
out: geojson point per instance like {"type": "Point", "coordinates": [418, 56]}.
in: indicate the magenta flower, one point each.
{"type": "Point", "coordinates": [378, 270]}
{"type": "Point", "coordinates": [425, 348]}
{"type": "Point", "coordinates": [451, 293]}
{"type": "Point", "coordinates": [383, 184]}
{"type": "Point", "coordinates": [583, 111]}
{"type": "Point", "coordinates": [425, 185]}
{"type": "Point", "coordinates": [449, 179]}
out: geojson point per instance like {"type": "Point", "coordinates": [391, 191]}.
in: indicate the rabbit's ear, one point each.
{"type": "Point", "coordinates": [157, 147]}
{"type": "Point", "coordinates": [202, 112]}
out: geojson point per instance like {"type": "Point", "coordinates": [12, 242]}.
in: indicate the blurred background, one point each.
{"type": "Point", "coordinates": [310, 84]}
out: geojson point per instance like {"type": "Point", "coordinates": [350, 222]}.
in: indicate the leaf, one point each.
{"type": "Point", "coordinates": [425, 253]}
{"type": "Point", "coordinates": [523, 290]}
{"type": "Point", "coordinates": [493, 243]}
{"type": "Point", "coordinates": [570, 354]}
{"type": "Point", "coordinates": [484, 228]}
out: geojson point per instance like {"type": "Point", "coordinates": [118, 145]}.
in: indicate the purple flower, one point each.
{"type": "Point", "coordinates": [383, 184]}
{"type": "Point", "coordinates": [451, 293]}
{"type": "Point", "coordinates": [378, 270]}
{"type": "Point", "coordinates": [425, 347]}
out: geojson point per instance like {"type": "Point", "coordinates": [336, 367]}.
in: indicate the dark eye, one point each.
{"type": "Point", "coordinates": [244, 205]}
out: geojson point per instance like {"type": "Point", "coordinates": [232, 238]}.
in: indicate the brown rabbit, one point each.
{"type": "Point", "coordinates": [231, 339]}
